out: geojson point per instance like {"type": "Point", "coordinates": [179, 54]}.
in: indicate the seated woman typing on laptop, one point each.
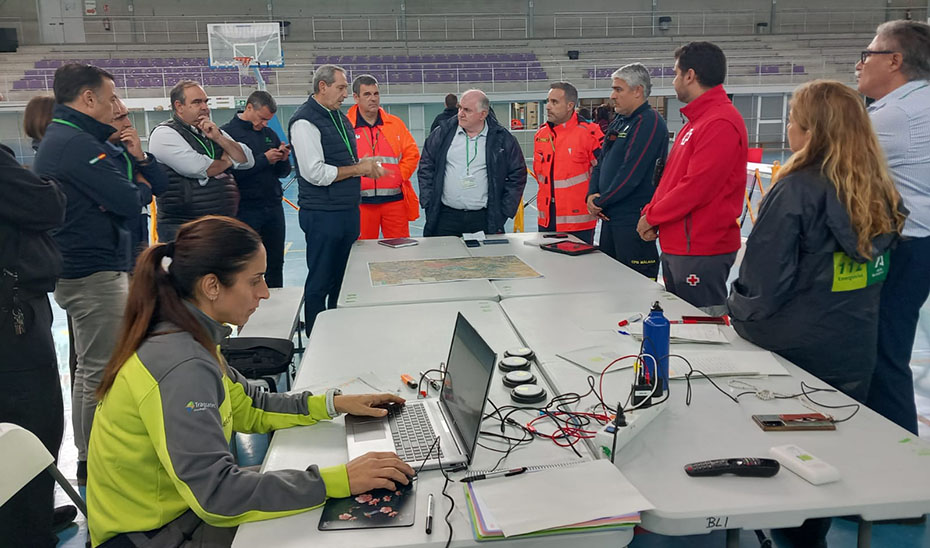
{"type": "Point", "coordinates": [159, 468]}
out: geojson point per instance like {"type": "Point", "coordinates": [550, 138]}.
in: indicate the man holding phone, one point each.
{"type": "Point", "coordinates": [260, 191]}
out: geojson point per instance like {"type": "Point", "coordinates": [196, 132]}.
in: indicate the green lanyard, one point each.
{"type": "Point", "coordinates": [77, 127]}
{"type": "Point", "coordinates": [128, 166]}
{"type": "Point", "coordinates": [67, 123]}
{"type": "Point", "coordinates": [341, 128]}
{"type": "Point", "coordinates": [469, 160]}
{"type": "Point", "coordinates": [211, 152]}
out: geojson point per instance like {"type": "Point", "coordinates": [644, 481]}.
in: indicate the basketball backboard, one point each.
{"type": "Point", "coordinates": [260, 41]}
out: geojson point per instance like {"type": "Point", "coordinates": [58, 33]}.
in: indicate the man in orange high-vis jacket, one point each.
{"type": "Point", "coordinates": [564, 151]}
{"type": "Point", "coordinates": [385, 137]}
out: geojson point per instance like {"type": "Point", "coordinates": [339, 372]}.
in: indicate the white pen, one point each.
{"type": "Point", "coordinates": [429, 515]}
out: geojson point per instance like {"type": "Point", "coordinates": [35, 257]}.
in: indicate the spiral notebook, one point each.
{"type": "Point", "coordinates": [554, 500]}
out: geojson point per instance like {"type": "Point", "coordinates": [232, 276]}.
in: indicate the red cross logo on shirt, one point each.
{"type": "Point", "coordinates": [693, 280]}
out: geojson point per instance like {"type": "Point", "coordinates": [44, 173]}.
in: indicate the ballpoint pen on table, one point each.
{"type": "Point", "coordinates": [498, 474]}
{"type": "Point", "coordinates": [632, 319]}
{"type": "Point", "coordinates": [429, 515]}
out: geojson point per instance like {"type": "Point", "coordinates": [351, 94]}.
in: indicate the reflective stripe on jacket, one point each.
{"type": "Point", "coordinates": [563, 156]}
{"type": "Point", "coordinates": [392, 143]}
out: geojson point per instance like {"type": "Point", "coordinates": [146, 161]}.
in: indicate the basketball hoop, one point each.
{"type": "Point", "coordinates": [242, 63]}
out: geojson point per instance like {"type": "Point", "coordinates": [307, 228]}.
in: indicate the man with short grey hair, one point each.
{"type": "Point", "coordinates": [895, 71]}
{"type": "Point", "coordinates": [472, 172]}
{"type": "Point", "coordinates": [329, 175]}
{"type": "Point", "coordinates": [565, 148]}
{"type": "Point", "coordinates": [624, 180]}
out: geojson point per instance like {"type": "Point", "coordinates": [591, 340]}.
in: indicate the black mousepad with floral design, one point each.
{"type": "Point", "coordinates": [378, 508]}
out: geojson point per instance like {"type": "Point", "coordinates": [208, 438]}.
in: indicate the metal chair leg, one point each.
{"type": "Point", "coordinates": [75, 497]}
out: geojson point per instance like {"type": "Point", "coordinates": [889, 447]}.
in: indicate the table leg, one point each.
{"type": "Point", "coordinates": [733, 538]}
{"type": "Point", "coordinates": [865, 534]}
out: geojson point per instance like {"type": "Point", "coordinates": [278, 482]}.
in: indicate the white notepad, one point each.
{"type": "Point", "coordinates": [557, 497]}
{"type": "Point", "coordinates": [688, 333]}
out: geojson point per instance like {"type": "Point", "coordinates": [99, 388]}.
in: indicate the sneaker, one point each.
{"type": "Point", "coordinates": [62, 518]}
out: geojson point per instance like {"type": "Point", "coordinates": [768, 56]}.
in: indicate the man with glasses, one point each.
{"type": "Point", "coordinates": [199, 158]}
{"type": "Point", "coordinates": [895, 72]}
{"type": "Point", "coordinates": [260, 192]}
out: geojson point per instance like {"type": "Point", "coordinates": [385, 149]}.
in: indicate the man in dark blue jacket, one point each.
{"type": "Point", "coordinates": [624, 179]}
{"type": "Point", "coordinates": [260, 191]}
{"type": "Point", "coordinates": [472, 172]}
{"type": "Point", "coordinates": [142, 169]}
{"type": "Point", "coordinates": [95, 238]}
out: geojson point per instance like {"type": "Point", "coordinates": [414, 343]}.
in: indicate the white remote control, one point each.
{"type": "Point", "coordinates": [804, 464]}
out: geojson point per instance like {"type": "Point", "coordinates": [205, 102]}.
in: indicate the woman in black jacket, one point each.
{"type": "Point", "coordinates": [809, 284]}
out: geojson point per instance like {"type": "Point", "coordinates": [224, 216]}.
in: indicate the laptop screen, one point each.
{"type": "Point", "coordinates": [468, 378]}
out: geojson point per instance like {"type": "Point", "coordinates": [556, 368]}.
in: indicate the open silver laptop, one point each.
{"type": "Point", "coordinates": [455, 416]}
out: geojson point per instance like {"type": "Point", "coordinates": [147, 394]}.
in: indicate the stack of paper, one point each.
{"type": "Point", "coordinates": [573, 498]}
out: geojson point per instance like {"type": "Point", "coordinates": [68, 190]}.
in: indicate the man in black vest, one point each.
{"type": "Point", "coordinates": [199, 159]}
{"type": "Point", "coordinates": [329, 178]}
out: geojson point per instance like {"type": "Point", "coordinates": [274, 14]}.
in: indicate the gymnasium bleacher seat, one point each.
{"type": "Point", "coordinates": [145, 72]}
{"type": "Point", "coordinates": [438, 68]}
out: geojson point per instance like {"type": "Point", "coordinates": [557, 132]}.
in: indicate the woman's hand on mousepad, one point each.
{"type": "Point", "coordinates": [378, 508]}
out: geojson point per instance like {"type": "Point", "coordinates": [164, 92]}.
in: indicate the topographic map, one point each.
{"type": "Point", "coordinates": [426, 271]}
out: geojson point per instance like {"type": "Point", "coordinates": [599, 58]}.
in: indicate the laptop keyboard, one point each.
{"type": "Point", "coordinates": [413, 434]}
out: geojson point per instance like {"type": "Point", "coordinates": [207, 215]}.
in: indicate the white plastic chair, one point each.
{"type": "Point", "coordinates": [24, 457]}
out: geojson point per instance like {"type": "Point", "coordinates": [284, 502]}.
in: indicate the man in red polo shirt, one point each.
{"type": "Point", "coordinates": [700, 196]}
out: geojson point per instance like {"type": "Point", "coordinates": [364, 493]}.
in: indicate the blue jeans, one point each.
{"type": "Point", "coordinates": [905, 290]}
{"type": "Point", "coordinates": [329, 236]}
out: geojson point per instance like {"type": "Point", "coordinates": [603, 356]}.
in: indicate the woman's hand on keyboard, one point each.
{"type": "Point", "coordinates": [366, 405]}
{"type": "Point", "coordinates": [377, 471]}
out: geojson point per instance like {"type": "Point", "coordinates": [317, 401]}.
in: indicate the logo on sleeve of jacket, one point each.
{"type": "Point", "coordinates": [687, 136]}
{"type": "Point", "coordinates": [198, 406]}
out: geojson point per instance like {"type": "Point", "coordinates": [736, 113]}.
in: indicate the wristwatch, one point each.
{"type": "Point", "coordinates": [146, 159]}
{"type": "Point", "coordinates": [330, 405]}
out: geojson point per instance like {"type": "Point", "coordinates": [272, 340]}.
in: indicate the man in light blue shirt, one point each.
{"type": "Point", "coordinates": [467, 171]}
{"type": "Point", "coordinates": [895, 71]}
{"type": "Point", "coordinates": [472, 172]}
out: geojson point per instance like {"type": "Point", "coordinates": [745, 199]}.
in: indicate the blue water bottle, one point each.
{"type": "Point", "coordinates": [655, 343]}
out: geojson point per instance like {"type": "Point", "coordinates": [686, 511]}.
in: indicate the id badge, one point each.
{"type": "Point", "coordinates": [468, 182]}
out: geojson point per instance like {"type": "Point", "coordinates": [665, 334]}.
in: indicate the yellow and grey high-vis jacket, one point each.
{"type": "Point", "coordinates": [160, 443]}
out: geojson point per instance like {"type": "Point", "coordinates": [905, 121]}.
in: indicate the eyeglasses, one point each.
{"type": "Point", "coordinates": [865, 54]}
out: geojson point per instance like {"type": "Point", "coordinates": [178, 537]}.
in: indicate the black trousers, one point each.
{"type": "Point", "coordinates": [329, 236]}
{"type": "Point", "coordinates": [268, 221]}
{"type": "Point", "coordinates": [31, 398]}
{"type": "Point", "coordinates": [621, 242]}
{"type": "Point", "coordinates": [455, 222]}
